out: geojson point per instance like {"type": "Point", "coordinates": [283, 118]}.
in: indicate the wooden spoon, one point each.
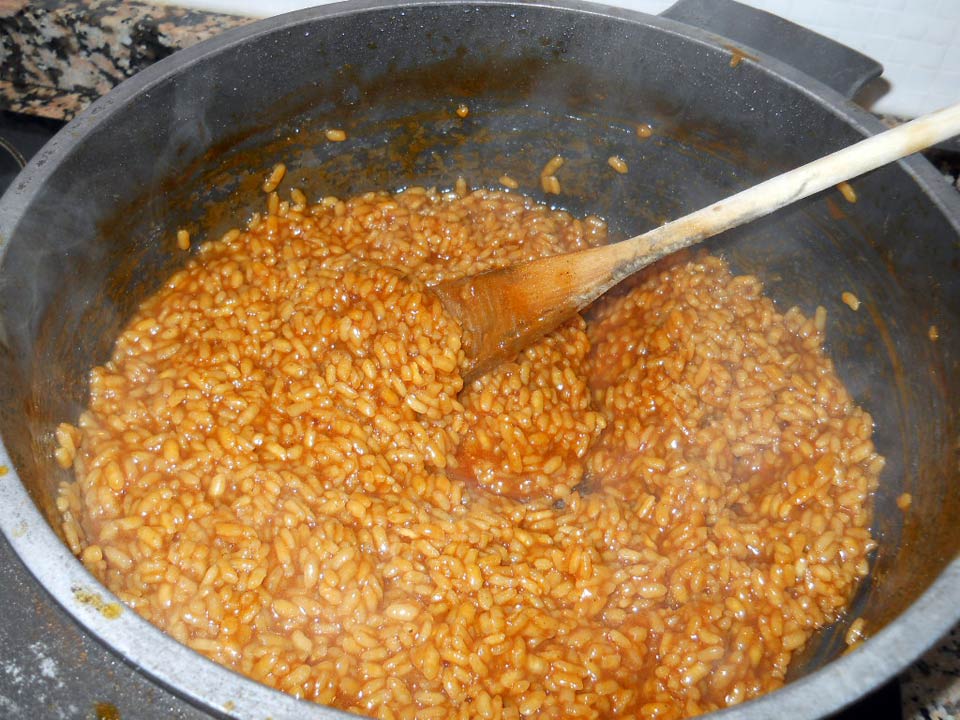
{"type": "Point", "coordinates": [503, 311]}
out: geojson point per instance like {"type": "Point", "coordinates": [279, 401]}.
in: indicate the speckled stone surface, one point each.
{"type": "Point", "coordinates": [57, 57]}
{"type": "Point", "coordinates": [931, 686]}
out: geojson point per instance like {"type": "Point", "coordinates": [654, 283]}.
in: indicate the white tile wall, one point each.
{"type": "Point", "coordinates": [918, 41]}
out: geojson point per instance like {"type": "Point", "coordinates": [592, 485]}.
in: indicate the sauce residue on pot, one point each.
{"type": "Point", "coordinates": [110, 610]}
{"type": "Point", "coordinates": [106, 711]}
{"type": "Point", "coordinates": [738, 55]}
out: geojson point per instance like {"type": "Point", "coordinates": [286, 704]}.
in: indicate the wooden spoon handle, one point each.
{"type": "Point", "coordinates": [627, 257]}
{"type": "Point", "coordinates": [503, 311]}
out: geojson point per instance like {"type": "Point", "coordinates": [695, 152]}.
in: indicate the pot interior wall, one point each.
{"type": "Point", "coordinates": [192, 148]}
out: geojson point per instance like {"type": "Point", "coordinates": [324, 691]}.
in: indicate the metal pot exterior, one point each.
{"type": "Point", "coordinates": [88, 231]}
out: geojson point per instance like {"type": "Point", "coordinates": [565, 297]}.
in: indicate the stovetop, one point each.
{"type": "Point", "coordinates": [51, 668]}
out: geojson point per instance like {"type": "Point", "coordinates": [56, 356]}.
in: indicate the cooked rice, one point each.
{"type": "Point", "coordinates": [646, 514]}
{"type": "Point", "coordinates": [849, 194]}
{"type": "Point", "coordinates": [850, 300]}
{"type": "Point", "coordinates": [553, 164]}
{"type": "Point", "coordinates": [618, 164]}
{"type": "Point", "coordinates": [855, 633]}
{"type": "Point", "coordinates": [550, 184]}
{"type": "Point", "coordinates": [275, 178]}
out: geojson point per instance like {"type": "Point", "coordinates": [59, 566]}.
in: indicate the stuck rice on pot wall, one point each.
{"type": "Point", "coordinates": [645, 514]}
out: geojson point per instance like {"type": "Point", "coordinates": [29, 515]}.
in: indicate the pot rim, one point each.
{"type": "Point", "coordinates": [225, 692]}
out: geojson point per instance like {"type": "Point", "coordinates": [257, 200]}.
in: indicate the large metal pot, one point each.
{"type": "Point", "coordinates": [87, 232]}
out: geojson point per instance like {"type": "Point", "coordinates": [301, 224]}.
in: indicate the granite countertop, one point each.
{"type": "Point", "coordinates": [931, 686]}
{"type": "Point", "coordinates": [57, 57]}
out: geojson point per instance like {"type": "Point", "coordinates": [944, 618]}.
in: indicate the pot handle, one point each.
{"type": "Point", "coordinates": [841, 68]}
